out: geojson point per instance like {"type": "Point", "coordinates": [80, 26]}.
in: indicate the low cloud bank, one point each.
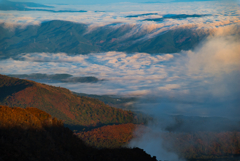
{"type": "Point", "coordinates": [207, 92]}
{"type": "Point", "coordinates": [126, 73]}
{"type": "Point", "coordinates": [150, 142]}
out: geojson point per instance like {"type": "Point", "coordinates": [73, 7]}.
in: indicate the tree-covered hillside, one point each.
{"type": "Point", "coordinates": [110, 136]}
{"type": "Point", "coordinates": [76, 111]}
{"type": "Point", "coordinates": [32, 134]}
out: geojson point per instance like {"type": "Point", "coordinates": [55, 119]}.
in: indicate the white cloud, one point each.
{"type": "Point", "coordinates": [169, 87]}
{"type": "Point", "coordinates": [118, 68]}
{"type": "Point", "coordinates": [48, 57]}
{"type": "Point", "coordinates": [217, 56]}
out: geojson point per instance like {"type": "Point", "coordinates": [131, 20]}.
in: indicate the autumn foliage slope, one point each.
{"type": "Point", "coordinates": [32, 134]}
{"type": "Point", "coordinates": [110, 136]}
{"type": "Point", "coordinates": [61, 103]}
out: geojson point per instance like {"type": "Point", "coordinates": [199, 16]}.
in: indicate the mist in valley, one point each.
{"type": "Point", "coordinates": [209, 102]}
{"type": "Point", "coordinates": [177, 63]}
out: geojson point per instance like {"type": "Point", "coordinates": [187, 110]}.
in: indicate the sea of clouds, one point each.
{"type": "Point", "coordinates": [205, 77]}
{"type": "Point", "coordinates": [203, 81]}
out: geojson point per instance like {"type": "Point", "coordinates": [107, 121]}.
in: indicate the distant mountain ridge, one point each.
{"type": "Point", "coordinates": [75, 38]}
{"type": "Point", "coordinates": [76, 111]}
{"type": "Point", "coordinates": [57, 77]}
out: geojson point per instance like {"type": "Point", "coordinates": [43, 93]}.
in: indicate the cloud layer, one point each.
{"type": "Point", "coordinates": [203, 81]}
{"type": "Point", "coordinates": [119, 68]}
{"type": "Point", "coordinates": [220, 14]}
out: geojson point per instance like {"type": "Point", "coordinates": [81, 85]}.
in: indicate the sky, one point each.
{"type": "Point", "coordinates": [102, 1]}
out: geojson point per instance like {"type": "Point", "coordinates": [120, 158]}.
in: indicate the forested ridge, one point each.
{"type": "Point", "coordinates": [32, 134]}
{"type": "Point", "coordinates": [76, 111]}
{"type": "Point", "coordinates": [110, 136]}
